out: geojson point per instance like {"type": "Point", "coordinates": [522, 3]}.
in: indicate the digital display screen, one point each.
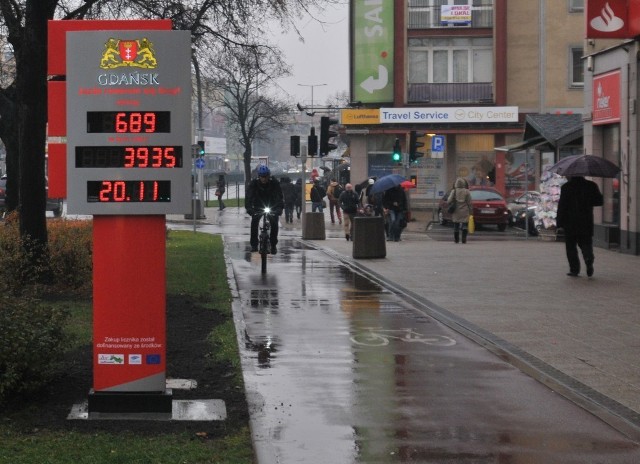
{"type": "Point", "coordinates": [128, 122]}
{"type": "Point", "coordinates": [128, 157]}
{"type": "Point", "coordinates": [124, 191]}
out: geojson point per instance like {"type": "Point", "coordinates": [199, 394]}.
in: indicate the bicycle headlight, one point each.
{"type": "Point", "coordinates": [267, 210]}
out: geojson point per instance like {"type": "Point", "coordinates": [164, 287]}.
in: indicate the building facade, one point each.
{"type": "Point", "coordinates": [463, 58]}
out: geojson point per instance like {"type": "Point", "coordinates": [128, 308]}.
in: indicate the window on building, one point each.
{"type": "Point", "coordinates": [450, 60]}
{"type": "Point", "coordinates": [576, 6]}
{"type": "Point", "coordinates": [576, 68]}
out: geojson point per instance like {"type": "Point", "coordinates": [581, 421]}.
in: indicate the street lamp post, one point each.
{"type": "Point", "coordinates": [312, 86]}
{"type": "Point", "coordinates": [304, 161]}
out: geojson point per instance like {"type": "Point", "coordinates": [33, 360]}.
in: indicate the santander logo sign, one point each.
{"type": "Point", "coordinates": [607, 19]}
{"type": "Point", "coordinates": [606, 98]}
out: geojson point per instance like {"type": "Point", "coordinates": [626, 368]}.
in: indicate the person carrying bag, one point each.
{"type": "Point", "coordinates": [463, 208]}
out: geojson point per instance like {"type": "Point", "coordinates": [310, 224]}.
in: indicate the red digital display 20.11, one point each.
{"type": "Point", "coordinates": [123, 191]}
{"type": "Point", "coordinates": [128, 122]}
{"type": "Point", "coordinates": [129, 157]}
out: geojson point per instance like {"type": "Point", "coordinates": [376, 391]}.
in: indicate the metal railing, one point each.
{"type": "Point", "coordinates": [468, 92]}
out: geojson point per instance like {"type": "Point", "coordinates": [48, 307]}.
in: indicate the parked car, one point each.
{"type": "Point", "coordinates": [489, 208]}
{"type": "Point", "coordinates": [522, 211]}
{"type": "Point", "coordinates": [53, 204]}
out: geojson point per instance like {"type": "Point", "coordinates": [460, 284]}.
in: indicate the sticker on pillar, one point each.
{"type": "Point", "coordinates": [153, 358]}
{"type": "Point", "coordinates": [111, 359]}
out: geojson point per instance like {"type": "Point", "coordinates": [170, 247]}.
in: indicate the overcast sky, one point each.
{"type": "Point", "coordinates": [321, 59]}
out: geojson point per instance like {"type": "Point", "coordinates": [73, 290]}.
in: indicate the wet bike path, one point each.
{"type": "Point", "coordinates": [338, 369]}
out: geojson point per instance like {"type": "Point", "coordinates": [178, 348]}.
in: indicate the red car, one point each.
{"type": "Point", "coordinates": [489, 207]}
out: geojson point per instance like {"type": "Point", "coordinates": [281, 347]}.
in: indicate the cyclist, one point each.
{"type": "Point", "coordinates": [264, 192]}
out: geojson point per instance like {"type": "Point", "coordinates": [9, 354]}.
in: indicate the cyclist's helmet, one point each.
{"type": "Point", "coordinates": [263, 171]}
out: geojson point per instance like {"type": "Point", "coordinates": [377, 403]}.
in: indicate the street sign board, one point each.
{"type": "Point", "coordinates": [437, 146]}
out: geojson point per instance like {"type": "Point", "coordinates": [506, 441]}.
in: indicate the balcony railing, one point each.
{"type": "Point", "coordinates": [428, 17]}
{"type": "Point", "coordinates": [473, 92]}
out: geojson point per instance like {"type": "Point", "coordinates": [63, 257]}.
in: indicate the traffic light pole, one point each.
{"type": "Point", "coordinates": [303, 202]}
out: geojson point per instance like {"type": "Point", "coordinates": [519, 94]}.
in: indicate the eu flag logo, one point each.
{"type": "Point", "coordinates": [153, 359]}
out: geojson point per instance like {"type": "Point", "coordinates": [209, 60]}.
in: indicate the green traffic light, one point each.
{"type": "Point", "coordinates": [397, 151]}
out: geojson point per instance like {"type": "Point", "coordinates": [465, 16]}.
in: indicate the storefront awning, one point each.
{"type": "Point", "coordinates": [521, 145]}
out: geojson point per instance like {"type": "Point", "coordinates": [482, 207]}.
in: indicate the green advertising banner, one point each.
{"type": "Point", "coordinates": [373, 51]}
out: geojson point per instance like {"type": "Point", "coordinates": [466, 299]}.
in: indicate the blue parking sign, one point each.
{"type": "Point", "coordinates": [437, 143]}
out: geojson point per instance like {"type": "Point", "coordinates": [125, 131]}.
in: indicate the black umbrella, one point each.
{"type": "Point", "coordinates": [585, 165]}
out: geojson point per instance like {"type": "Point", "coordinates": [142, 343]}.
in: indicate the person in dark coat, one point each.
{"type": "Point", "coordinates": [394, 201]}
{"type": "Point", "coordinates": [220, 189]}
{"type": "Point", "coordinates": [264, 192]}
{"type": "Point", "coordinates": [317, 194]}
{"type": "Point", "coordinates": [575, 215]}
{"type": "Point", "coordinates": [289, 195]}
{"type": "Point", "coordinates": [349, 201]}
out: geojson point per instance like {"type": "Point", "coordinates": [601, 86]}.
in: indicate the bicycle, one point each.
{"type": "Point", "coordinates": [381, 337]}
{"type": "Point", "coordinates": [264, 244]}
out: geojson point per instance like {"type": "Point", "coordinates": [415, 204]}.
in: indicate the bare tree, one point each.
{"type": "Point", "coordinates": [240, 79]}
{"type": "Point", "coordinates": [23, 107]}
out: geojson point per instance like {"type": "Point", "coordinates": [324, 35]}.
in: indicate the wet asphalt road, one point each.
{"type": "Point", "coordinates": [340, 370]}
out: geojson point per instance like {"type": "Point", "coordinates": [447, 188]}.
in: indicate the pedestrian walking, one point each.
{"type": "Point", "coordinates": [578, 197]}
{"type": "Point", "coordinates": [463, 208]}
{"type": "Point", "coordinates": [333, 193]}
{"type": "Point", "coordinates": [289, 195]}
{"type": "Point", "coordinates": [349, 203]}
{"type": "Point", "coordinates": [317, 197]}
{"type": "Point", "coordinates": [220, 189]}
{"type": "Point", "coordinates": [394, 202]}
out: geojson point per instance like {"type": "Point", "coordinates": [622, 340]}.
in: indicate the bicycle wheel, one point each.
{"type": "Point", "coordinates": [263, 257]}
{"type": "Point", "coordinates": [437, 340]}
{"type": "Point", "coordinates": [370, 339]}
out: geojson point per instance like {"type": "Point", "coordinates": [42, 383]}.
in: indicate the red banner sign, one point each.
{"type": "Point", "coordinates": [606, 98]}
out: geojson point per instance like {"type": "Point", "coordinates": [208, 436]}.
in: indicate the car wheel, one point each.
{"type": "Point", "coordinates": [441, 218]}
{"type": "Point", "coordinates": [502, 227]}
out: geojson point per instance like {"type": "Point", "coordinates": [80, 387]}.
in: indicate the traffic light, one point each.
{"type": "Point", "coordinates": [396, 156]}
{"type": "Point", "coordinates": [325, 134]}
{"type": "Point", "coordinates": [416, 144]}
{"type": "Point", "coordinates": [312, 143]}
{"type": "Point", "coordinates": [295, 145]}
{"type": "Point", "coordinates": [200, 147]}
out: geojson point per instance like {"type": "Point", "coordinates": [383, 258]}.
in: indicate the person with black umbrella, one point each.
{"type": "Point", "coordinates": [394, 202]}
{"type": "Point", "coordinates": [578, 197]}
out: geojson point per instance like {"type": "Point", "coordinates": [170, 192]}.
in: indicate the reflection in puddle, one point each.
{"type": "Point", "coordinates": [347, 370]}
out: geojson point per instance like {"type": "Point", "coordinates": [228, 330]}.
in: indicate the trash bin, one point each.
{"type": "Point", "coordinates": [313, 226]}
{"type": "Point", "coordinates": [369, 239]}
